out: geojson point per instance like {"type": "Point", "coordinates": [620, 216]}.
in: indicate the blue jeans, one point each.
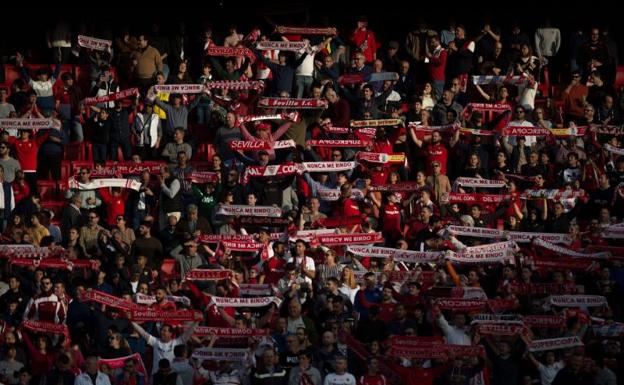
{"type": "Point", "coordinates": [73, 129]}
{"type": "Point", "coordinates": [303, 84]}
{"type": "Point", "coordinates": [203, 114]}
{"type": "Point", "coordinates": [125, 148]}
{"type": "Point", "coordinates": [438, 87]}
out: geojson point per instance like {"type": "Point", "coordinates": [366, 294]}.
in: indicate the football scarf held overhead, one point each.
{"type": "Point", "coordinates": [251, 211]}
{"type": "Point", "coordinates": [103, 183]}
{"type": "Point", "coordinates": [613, 149]}
{"type": "Point", "coordinates": [220, 354]}
{"type": "Point", "coordinates": [492, 253]}
{"type": "Point", "coordinates": [337, 143]}
{"type": "Point", "coordinates": [327, 166]}
{"type": "Point", "coordinates": [500, 79]}
{"type": "Point", "coordinates": [243, 302]}
{"type": "Point", "coordinates": [202, 331]}
{"type": "Point", "coordinates": [143, 299]}
{"type": "Point", "coordinates": [577, 300]}
{"type": "Point", "coordinates": [397, 187]}
{"type": "Point", "coordinates": [242, 245]}
{"type": "Point", "coordinates": [108, 300]}
{"type": "Point", "coordinates": [567, 252]}
{"type": "Point", "coordinates": [207, 274]}
{"type": "Point", "coordinates": [407, 256]}
{"type": "Point", "coordinates": [260, 290]}
{"type": "Point", "coordinates": [180, 88]}
{"type": "Point", "coordinates": [201, 177]}
{"type": "Point", "coordinates": [55, 263]}
{"type": "Point", "coordinates": [554, 344]}
{"type": "Point", "coordinates": [500, 329]}
{"type": "Point", "coordinates": [94, 43]}
{"type": "Point", "coordinates": [295, 46]}
{"type": "Point", "coordinates": [277, 170]}
{"type": "Point", "coordinates": [377, 157]}
{"type": "Point", "coordinates": [325, 31]}
{"type": "Point", "coordinates": [118, 363]}
{"type": "Point", "coordinates": [112, 97]}
{"type": "Point", "coordinates": [488, 107]}
{"type": "Point", "coordinates": [375, 123]}
{"type": "Point", "coordinates": [255, 145]}
{"type": "Point", "coordinates": [28, 124]}
{"type": "Point", "coordinates": [237, 85]}
{"type": "Point", "coordinates": [292, 103]}
{"type": "Point", "coordinates": [294, 116]}
{"type": "Point", "coordinates": [474, 198]}
{"type": "Point", "coordinates": [479, 183]}
{"type": "Point", "coordinates": [214, 50]}
{"type": "Point", "coordinates": [349, 239]}
{"type": "Point", "coordinates": [142, 315]}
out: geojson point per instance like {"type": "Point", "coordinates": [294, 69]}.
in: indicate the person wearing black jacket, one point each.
{"type": "Point", "coordinates": [61, 374]}
{"type": "Point", "coordinates": [101, 127]}
{"type": "Point", "coordinates": [268, 373]}
{"type": "Point", "coordinates": [14, 294]}
{"type": "Point", "coordinates": [283, 71]}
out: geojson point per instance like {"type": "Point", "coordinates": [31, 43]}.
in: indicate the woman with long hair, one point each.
{"type": "Point", "coordinates": [348, 283]}
{"type": "Point", "coordinates": [329, 268]}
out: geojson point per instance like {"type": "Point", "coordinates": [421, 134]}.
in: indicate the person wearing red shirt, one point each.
{"type": "Point", "coordinates": [115, 203]}
{"type": "Point", "coordinates": [26, 149]}
{"type": "Point", "coordinates": [372, 376]}
{"type": "Point", "coordinates": [365, 40]}
{"type": "Point", "coordinates": [387, 305]}
{"type": "Point", "coordinates": [21, 189]}
{"type": "Point", "coordinates": [347, 207]}
{"type": "Point", "coordinates": [437, 64]}
{"type": "Point", "coordinates": [161, 300]}
{"type": "Point", "coordinates": [436, 150]}
{"type": "Point", "coordinates": [273, 268]}
{"type": "Point", "coordinates": [391, 219]}
{"type": "Point", "coordinates": [417, 374]}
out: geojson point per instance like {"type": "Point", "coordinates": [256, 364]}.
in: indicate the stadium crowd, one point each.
{"type": "Point", "coordinates": [305, 206]}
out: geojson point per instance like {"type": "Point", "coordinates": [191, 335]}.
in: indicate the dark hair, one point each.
{"type": "Point", "coordinates": [179, 351]}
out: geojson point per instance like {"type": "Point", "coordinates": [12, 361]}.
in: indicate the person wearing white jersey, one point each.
{"type": "Point", "coordinates": [340, 376]}
{"type": "Point", "coordinates": [163, 346]}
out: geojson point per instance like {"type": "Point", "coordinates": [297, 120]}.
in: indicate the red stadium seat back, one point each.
{"type": "Point", "coordinates": [66, 170]}
{"type": "Point", "coordinates": [619, 78]}
{"type": "Point", "coordinates": [74, 151]}
{"type": "Point", "coordinates": [47, 189]}
{"type": "Point", "coordinates": [200, 165]}
{"type": "Point", "coordinates": [11, 73]}
{"type": "Point", "coordinates": [55, 206]}
{"type": "Point", "coordinates": [78, 164]}
{"type": "Point", "coordinates": [88, 151]}
{"type": "Point", "coordinates": [168, 268]}
{"type": "Point", "coordinates": [210, 151]}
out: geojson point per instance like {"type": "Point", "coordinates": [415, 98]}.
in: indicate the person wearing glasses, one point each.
{"type": "Point", "coordinates": [130, 375]}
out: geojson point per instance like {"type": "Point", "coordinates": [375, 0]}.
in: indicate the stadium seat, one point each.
{"type": "Point", "coordinates": [74, 151]}
{"type": "Point", "coordinates": [47, 189]}
{"type": "Point", "coordinates": [55, 206]}
{"type": "Point", "coordinates": [619, 78]}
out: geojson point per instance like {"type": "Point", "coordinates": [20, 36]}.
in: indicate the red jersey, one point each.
{"type": "Point", "coordinates": [437, 152]}
{"type": "Point", "coordinates": [273, 270]}
{"type": "Point", "coordinates": [368, 379]}
{"type": "Point", "coordinates": [20, 191]}
{"type": "Point", "coordinates": [391, 217]}
{"type": "Point", "coordinates": [26, 151]}
{"type": "Point", "coordinates": [387, 311]}
{"type": "Point", "coordinates": [349, 209]}
{"type": "Point", "coordinates": [115, 205]}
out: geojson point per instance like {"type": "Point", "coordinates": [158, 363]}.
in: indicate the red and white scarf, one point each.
{"type": "Point", "coordinates": [29, 124]}
{"type": "Point", "coordinates": [236, 85]}
{"type": "Point", "coordinates": [376, 157]}
{"type": "Point", "coordinates": [94, 43]}
{"type": "Point", "coordinates": [476, 198]}
{"type": "Point", "coordinates": [488, 107]}
{"type": "Point", "coordinates": [180, 88]}
{"type": "Point", "coordinates": [255, 289]}
{"type": "Point", "coordinates": [292, 103]}
{"type": "Point", "coordinates": [555, 343]}
{"type": "Point", "coordinates": [252, 211]}
{"type": "Point", "coordinates": [375, 123]}
{"type": "Point", "coordinates": [202, 331]}
{"type": "Point", "coordinates": [337, 143]}
{"type": "Point", "coordinates": [577, 300]}
{"type": "Point", "coordinates": [200, 177]}
{"type": "Point", "coordinates": [242, 245]}
{"type": "Point", "coordinates": [207, 275]}
{"type": "Point", "coordinates": [144, 299]}
{"type": "Point", "coordinates": [296, 46]}
{"type": "Point", "coordinates": [254, 145]}
{"type": "Point", "coordinates": [570, 253]}
{"type": "Point", "coordinates": [333, 195]}
{"type": "Point", "coordinates": [111, 97]}
{"type": "Point", "coordinates": [294, 116]}
{"type": "Point", "coordinates": [500, 329]}
{"type": "Point", "coordinates": [498, 79]}
{"type": "Point", "coordinates": [552, 194]}
{"type": "Point", "coordinates": [493, 253]}
{"type": "Point", "coordinates": [269, 171]}
{"type": "Point", "coordinates": [220, 354]}
{"type": "Point", "coordinates": [479, 183]}
{"type": "Point", "coordinates": [142, 315]}
{"type": "Point", "coordinates": [613, 149]}
{"type": "Point", "coordinates": [123, 168]}
{"type": "Point", "coordinates": [108, 300]}
{"type": "Point", "coordinates": [607, 129]}
{"type": "Point", "coordinates": [327, 166]}
{"type": "Point", "coordinates": [118, 363]}
{"type": "Point", "coordinates": [214, 50]}
{"type": "Point", "coordinates": [325, 31]}
{"type": "Point", "coordinates": [397, 187]}
{"type": "Point", "coordinates": [544, 321]}
{"type": "Point", "coordinates": [243, 302]}
{"type": "Point", "coordinates": [349, 239]}
{"type": "Point", "coordinates": [102, 183]}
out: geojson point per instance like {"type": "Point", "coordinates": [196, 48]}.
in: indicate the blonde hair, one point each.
{"type": "Point", "coordinates": [349, 280]}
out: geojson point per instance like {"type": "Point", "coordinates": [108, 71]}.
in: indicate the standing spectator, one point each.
{"type": "Point", "coordinates": [147, 62]}
{"type": "Point", "coordinates": [365, 40]}
{"type": "Point", "coordinates": [9, 164]}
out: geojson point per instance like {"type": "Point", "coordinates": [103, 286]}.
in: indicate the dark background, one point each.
{"type": "Point", "coordinates": [25, 26]}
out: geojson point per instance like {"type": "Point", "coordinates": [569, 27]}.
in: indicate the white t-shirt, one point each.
{"type": "Point", "coordinates": [163, 350]}
{"type": "Point", "coordinates": [548, 373]}
{"type": "Point", "coordinates": [306, 68]}
{"type": "Point", "coordinates": [339, 379]}
{"type": "Point", "coordinates": [530, 140]}
{"type": "Point", "coordinates": [308, 265]}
